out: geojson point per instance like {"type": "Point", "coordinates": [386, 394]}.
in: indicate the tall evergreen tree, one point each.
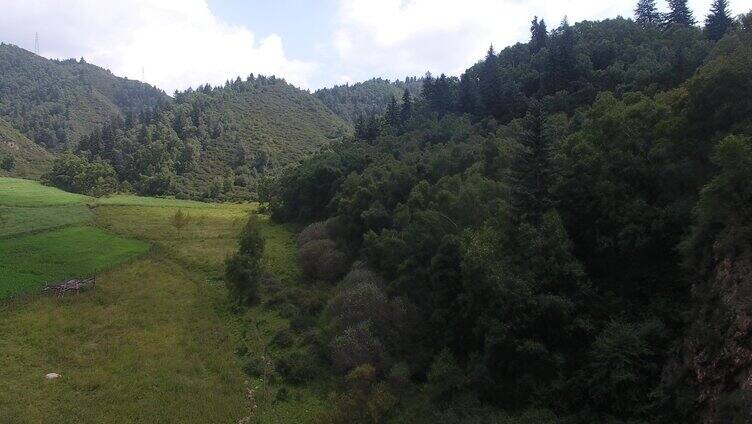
{"type": "Point", "coordinates": [718, 21]}
{"type": "Point", "coordinates": [562, 67]}
{"type": "Point", "coordinates": [392, 114]}
{"type": "Point", "coordinates": [490, 82]}
{"type": "Point", "coordinates": [407, 107]}
{"type": "Point", "coordinates": [531, 166]}
{"type": "Point", "coordinates": [646, 13]}
{"type": "Point", "coordinates": [679, 14]}
{"type": "Point", "coordinates": [538, 35]}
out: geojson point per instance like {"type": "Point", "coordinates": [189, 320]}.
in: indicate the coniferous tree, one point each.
{"type": "Point", "coordinates": [562, 62]}
{"type": "Point", "coordinates": [718, 21]}
{"type": "Point", "coordinates": [490, 83]}
{"type": "Point", "coordinates": [646, 13]}
{"type": "Point", "coordinates": [392, 114]}
{"type": "Point", "coordinates": [407, 107]}
{"type": "Point", "coordinates": [531, 168]}
{"type": "Point", "coordinates": [679, 14]}
{"type": "Point", "coordinates": [469, 96]}
{"type": "Point", "coordinates": [538, 35]}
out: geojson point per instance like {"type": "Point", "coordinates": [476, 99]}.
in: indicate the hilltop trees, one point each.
{"type": "Point", "coordinates": [718, 21]}
{"type": "Point", "coordinates": [538, 35]}
{"type": "Point", "coordinates": [646, 13]}
{"type": "Point", "coordinates": [679, 14]}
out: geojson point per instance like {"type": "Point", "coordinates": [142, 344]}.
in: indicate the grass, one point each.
{"type": "Point", "coordinates": [162, 202]}
{"type": "Point", "coordinates": [15, 221]}
{"type": "Point", "coordinates": [145, 346]}
{"type": "Point", "coordinates": [155, 340]}
{"type": "Point", "coordinates": [30, 262]}
{"type": "Point", "coordinates": [27, 193]}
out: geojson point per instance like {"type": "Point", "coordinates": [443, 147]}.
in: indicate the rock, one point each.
{"type": "Point", "coordinates": [52, 376]}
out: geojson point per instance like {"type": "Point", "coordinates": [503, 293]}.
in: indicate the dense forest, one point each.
{"type": "Point", "coordinates": [365, 99]}
{"type": "Point", "coordinates": [208, 143]}
{"type": "Point", "coordinates": [54, 103]}
{"type": "Point", "coordinates": [561, 234]}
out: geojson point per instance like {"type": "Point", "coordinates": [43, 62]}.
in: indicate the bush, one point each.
{"type": "Point", "coordinates": [355, 346]}
{"type": "Point", "coordinates": [78, 175]}
{"type": "Point", "coordinates": [360, 274]}
{"type": "Point", "coordinates": [243, 269]}
{"type": "Point", "coordinates": [321, 260]}
{"type": "Point", "coordinates": [363, 302]}
{"type": "Point", "coordinates": [297, 367]}
{"type": "Point", "coordinates": [315, 231]}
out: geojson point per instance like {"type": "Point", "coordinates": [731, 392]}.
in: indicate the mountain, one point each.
{"type": "Point", "coordinates": [368, 98]}
{"type": "Point", "coordinates": [20, 156]}
{"type": "Point", "coordinates": [563, 230]}
{"type": "Point", "coordinates": [54, 102]}
{"type": "Point", "coordinates": [213, 142]}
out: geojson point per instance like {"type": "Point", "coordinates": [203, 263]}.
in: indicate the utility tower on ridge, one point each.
{"type": "Point", "coordinates": [36, 43]}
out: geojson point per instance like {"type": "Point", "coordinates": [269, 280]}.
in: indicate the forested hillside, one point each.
{"type": "Point", "coordinates": [562, 234]}
{"type": "Point", "coordinates": [19, 156]}
{"type": "Point", "coordinates": [209, 143]}
{"type": "Point", "coordinates": [54, 103]}
{"type": "Point", "coordinates": [365, 99]}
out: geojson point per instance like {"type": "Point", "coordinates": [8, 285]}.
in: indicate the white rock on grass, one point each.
{"type": "Point", "coordinates": [52, 376]}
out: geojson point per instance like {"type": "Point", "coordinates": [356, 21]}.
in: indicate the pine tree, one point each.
{"type": "Point", "coordinates": [679, 14]}
{"type": "Point", "coordinates": [538, 35]}
{"type": "Point", "coordinates": [718, 21]}
{"type": "Point", "coordinates": [646, 13]}
{"type": "Point", "coordinates": [489, 82]}
{"type": "Point", "coordinates": [407, 107]}
{"type": "Point", "coordinates": [531, 167]}
{"type": "Point", "coordinates": [392, 114]}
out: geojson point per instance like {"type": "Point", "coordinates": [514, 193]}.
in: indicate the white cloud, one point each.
{"type": "Point", "coordinates": [408, 37]}
{"type": "Point", "coordinates": [177, 43]}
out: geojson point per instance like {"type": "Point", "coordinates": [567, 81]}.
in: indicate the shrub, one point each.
{"type": "Point", "coordinates": [315, 231]}
{"type": "Point", "coordinates": [297, 367]}
{"type": "Point", "coordinates": [355, 346]}
{"type": "Point", "coordinates": [360, 274]}
{"type": "Point", "coordinates": [446, 380]}
{"type": "Point", "coordinates": [243, 269]}
{"type": "Point", "coordinates": [363, 302]}
{"type": "Point", "coordinates": [321, 260]}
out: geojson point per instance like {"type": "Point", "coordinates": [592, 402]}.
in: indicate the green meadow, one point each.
{"type": "Point", "coordinates": [27, 193]}
{"type": "Point", "coordinates": [157, 339]}
{"type": "Point", "coordinates": [31, 262]}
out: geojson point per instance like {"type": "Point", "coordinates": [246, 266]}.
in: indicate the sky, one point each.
{"type": "Point", "coordinates": [176, 44]}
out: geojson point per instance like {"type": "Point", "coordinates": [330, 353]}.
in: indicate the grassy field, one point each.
{"type": "Point", "coordinates": [31, 262]}
{"type": "Point", "coordinates": [27, 193]}
{"type": "Point", "coordinates": [23, 220]}
{"type": "Point", "coordinates": [157, 339]}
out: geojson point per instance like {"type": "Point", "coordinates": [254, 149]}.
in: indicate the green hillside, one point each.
{"type": "Point", "coordinates": [366, 98]}
{"type": "Point", "coordinates": [209, 143]}
{"type": "Point", "coordinates": [19, 156]}
{"type": "Point", "coordinates": [55, 102]}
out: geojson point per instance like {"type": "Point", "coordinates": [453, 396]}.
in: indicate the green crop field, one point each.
{"type": "Point", "coordinates": [30, 262]}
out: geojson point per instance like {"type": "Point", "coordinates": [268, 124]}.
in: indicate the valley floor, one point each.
{"type": "Point", "coordinates": [156, 340]}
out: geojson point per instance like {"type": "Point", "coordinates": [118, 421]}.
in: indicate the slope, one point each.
{"type": "Point", "coordinates": [19, 156]}
{"type": "Point", "coordinates": [214, 142]}
{"type": "Point", "coordinates": [55, 102]}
